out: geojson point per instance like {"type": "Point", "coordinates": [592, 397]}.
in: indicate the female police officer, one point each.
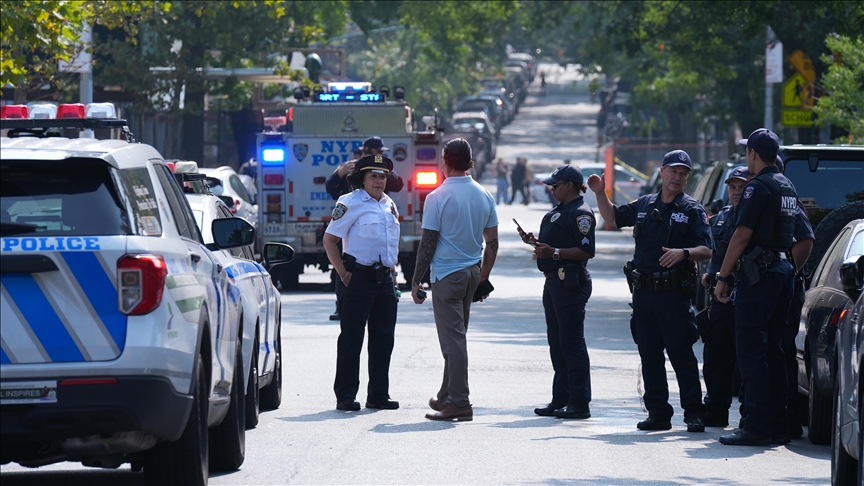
{"type": "Point", "coordinates": [368, 223]}
{"type": "Point", "coordinates": [564, 245]}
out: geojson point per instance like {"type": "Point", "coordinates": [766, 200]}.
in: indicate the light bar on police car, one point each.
{"type": "Point", "coordinates": [349, 87]}
{"type": "Point", "coordinates": [273, 155]}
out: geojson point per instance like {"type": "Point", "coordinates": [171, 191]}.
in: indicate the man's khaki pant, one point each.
{"type": "Point", "coordinates": [451, 303]}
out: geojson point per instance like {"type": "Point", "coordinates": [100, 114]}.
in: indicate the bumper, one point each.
{"type": "Point", "coordinates": [134, 404]}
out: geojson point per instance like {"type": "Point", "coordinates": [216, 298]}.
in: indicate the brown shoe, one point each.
{"type": "Point", "coordinates": [452, 412]}
{"type": "Point", "coordinates": [436, 404]}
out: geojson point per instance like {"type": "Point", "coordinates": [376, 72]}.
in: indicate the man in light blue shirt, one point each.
{"type": "Point", "coordinates": [457, 218]}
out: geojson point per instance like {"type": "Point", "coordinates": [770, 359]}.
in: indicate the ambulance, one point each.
{"type": "Point", "coordinates": [325, 127]}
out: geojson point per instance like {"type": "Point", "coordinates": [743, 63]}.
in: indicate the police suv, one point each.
{"type": "Point", "coordinates": [120, 329]}
{"type": "Point", "coordinates": [294, 205]}
{"type": "Point", "coordinates": [261, 307]}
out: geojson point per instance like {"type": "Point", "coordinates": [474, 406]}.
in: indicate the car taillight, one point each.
{"type": "Point", "coordinates": [14, 111]}
{"type": "Point", "coordinates": [71, 110]}
{"type": "Point", "coordinates": [235, 207]}
{"type": "Point", "coordinates": [426, 179]}
{"type": "Point", "coordinates": [140, 281]}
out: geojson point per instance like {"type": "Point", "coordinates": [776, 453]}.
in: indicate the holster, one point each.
{"type": "Point", "coordinates": [688, 278]}
{"type": "Point", "coordinates": [748, 265]}
{"type": "Point", "coordinates": [703, 324]}
{"type": "Point", "coordinates": [665, 280]}
{"type": "Point", "coordinates": [349, 261]}
{"type": "Point", "coordinates": [628, 274]}
{"type": "Point", "coordinates": [574, 276]}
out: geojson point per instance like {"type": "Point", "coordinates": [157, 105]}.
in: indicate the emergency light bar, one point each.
{"type": "Point", "coordinates": [349, 87]}
{"type": "Point", "coordinates": [45, 123]}
{"type": "Point", "coordinates": [349, 97]}
{"type": "Point", "coordinates": [272, 155]}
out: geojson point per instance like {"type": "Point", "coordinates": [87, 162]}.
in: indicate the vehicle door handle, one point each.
{"type": "Point", "coordinates": [194, 256]}
{"type": "Point", "coordinates": [219, 268]}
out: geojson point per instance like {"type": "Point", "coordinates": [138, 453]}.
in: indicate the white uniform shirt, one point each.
{"type": "Point", "coordinates": [368, 228]}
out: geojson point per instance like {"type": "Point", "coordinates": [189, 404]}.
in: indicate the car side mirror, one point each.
{"type": "Point", "coordinates": [277, 254]}
{"type": "Point", "coordinates": [232, 233]}
{"type": "Point", "coordinates": [852, 276]}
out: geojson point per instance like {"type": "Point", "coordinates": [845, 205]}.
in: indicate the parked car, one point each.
{"type": "Point", "coordinates": [492, 106]}
{"type": "Point", "coordinates": [477, 120]}
{"type": "Point", "coordinates": [711, 190]}
{"type": "Point", "coordinates": [508, 108]}
{"type": "Point", "coordinates": [231, 185]}
{"type": "Point", "coordinates": [847, 460]}
{"type": "Point", "coordinates": [506, 86]}
{"type": "Point", "coordinates": [540, 192]}
{"type": "Point", "coordinates": [261, 310]}
{"type": "Point", "coordinates": [825, 304]}
{"type": "Point", "coordinates": [531, 63]}
{"type": "Point", "coordinates": [830, 183]}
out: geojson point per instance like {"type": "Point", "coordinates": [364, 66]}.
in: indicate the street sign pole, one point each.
{"type": "Point", "coordinates": [773, 74]}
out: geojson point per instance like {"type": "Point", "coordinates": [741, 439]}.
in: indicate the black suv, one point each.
{"type": "Point", "coordinates": [830, 183]}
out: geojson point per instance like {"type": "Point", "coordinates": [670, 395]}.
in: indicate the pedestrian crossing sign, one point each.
{"type": "Point", "coordinates": [798, 100]}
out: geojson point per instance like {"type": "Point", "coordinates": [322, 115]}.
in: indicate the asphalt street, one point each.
{"type": "Point", "coordinates": [307, 441]}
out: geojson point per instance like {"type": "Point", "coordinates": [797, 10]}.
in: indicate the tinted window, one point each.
{"type": "Point", "coordinates": [70, 197]}
{"type": "Point", "coordinates": [239, 188]}
{"type": "Point", "coordinates": [832, 260]}
{"type": "Point", "coordinates": [235, 252]}
{"type": "Point", "coordinates": [833, 184]}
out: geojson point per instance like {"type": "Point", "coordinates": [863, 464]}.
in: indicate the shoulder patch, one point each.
{"type": "Point", "coordinates": [555, 217]}
{"type": "Point", "coordinates": [584, 224]}
{"type": "Point", "coordinates": [339, 210]}
{"type": "Point", "coordinates": [748, 192]}
{"type": "Point", "coordinates": [705, 219]}
{"type": "Point", "coordinates": [393, 209]}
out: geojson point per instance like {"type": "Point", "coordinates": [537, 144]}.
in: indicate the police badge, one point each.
{"type": "Point", "coordinates": [300, 151]}
{"type": "Point", "coordinates": [584, 224]}
{"type": "Point", "coordinates": [339, 210]}
{"type": "Point", "coordinates": [555, 217]}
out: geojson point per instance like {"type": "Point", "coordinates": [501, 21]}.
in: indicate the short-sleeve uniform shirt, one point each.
{"type": "Point", "coordinates": [369, 229]}
{"type": "Point", "coordinates": [569, 225]}
{"type": "Point", "coordinates": [679, 224]}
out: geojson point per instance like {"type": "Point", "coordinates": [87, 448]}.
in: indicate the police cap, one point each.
{"type": "Point", "coordinates": [565, 173]}
{"type": "Point", "coordinates": [779, 163]}
{"type": "Point", "coordinates": [677, 157]}
{"type": "Point", "coordinates": [738, 173]}
{"type": "Point", "coordinates": [374, 143]}
{"type": "Point", "coordinates": [763, 141]}
{"type": "Point", "coordinates": [374, 163]}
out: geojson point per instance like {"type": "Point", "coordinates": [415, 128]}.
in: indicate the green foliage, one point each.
{"type": "Point", "coordinates": [843, 103]}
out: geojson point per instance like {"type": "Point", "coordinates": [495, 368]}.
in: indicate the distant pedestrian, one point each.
{"type": "Point", "coordinates": [501, 172]}
{"type": "Point", "coordinates": [517, 180]}
{"type": "Point", "coordinates": [457, 218]}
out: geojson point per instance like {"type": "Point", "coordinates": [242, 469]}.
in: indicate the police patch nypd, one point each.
{"type": "Point", "coordinates": [584, 224]}
{"type": "Point", "coordinates": [748, 192]}
{"type": "Point", "coordinates": [339, 210]}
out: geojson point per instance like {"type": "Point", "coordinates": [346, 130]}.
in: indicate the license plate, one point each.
{"type": "Point", "coordinates": [18, 392]}
{"type": "Point", "coordinates": [305, 228]}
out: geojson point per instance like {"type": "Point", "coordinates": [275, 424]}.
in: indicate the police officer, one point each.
{"type": "Point", "coordinates": [718, 367]}
{"type": "Point", "coordinates": [763, 290]}
{"type": "Point", "coordinates": [671, 232]}
{"type": "Point", "coordinates": [367, 222]}
{"type": "Point", "coordinates": [563, 248]}
{"type": "Point", "coordinates": [338, 183]}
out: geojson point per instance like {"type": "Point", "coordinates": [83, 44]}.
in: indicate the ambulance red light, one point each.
{"type": "Point", "coordinates": [274, 198]}
{"type": "Point", "coordinates": [273, 179]}
{"type": "Point", "coordinates": [71, 110]}
{"type": "Point", "coordinates": [426, 179]}
{"type": "Point", "coordinates": [141, 279]}
{"type": "Point", "coordinates": [14, 111]}
{"type": "Point", "coordinates": [170, 165]}
{"type": "Point", "coordinates": [290, 113]}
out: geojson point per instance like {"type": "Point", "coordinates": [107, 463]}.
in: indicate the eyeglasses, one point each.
{"type": "Point", "coordinates": [554, 186]}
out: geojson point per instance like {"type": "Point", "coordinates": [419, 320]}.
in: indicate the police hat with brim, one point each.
{"type": "Point", "coordinates": [763, 141]}
{"type": "Point", "coordinates": [374, 163]}
{"type": "Point", "coordinates": [375, 143]}
{"type": "Point", "coordinates": [565, 173]}
{"type": "Point", "coordinates": [738, 173]}
{"type": "Point", "coordinates": [677, 157]}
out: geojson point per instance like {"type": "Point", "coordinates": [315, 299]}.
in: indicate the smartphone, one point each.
{"type": "Point", "coordinates": [521, 232]}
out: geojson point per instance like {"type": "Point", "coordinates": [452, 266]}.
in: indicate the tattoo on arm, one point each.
{"type": "Point", "coordinates": [490, 253]}
{"type": "Point", "coordinates": [425, 252]}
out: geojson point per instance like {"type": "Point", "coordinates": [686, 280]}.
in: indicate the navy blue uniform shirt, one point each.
{"type": "Point", "coordinates": [680, 224]}
{"type": "Point", "coordinates": [803, 230]}
{"type": "Point", "coordinates": [569, 226]}
{"type": "Point", "coordinates": [722, 229]}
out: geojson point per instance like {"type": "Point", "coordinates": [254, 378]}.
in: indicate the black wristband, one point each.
{"type": "Point", "coordinates": [722, 279]}
{"type": "Point", "coordinates": [686, 253]}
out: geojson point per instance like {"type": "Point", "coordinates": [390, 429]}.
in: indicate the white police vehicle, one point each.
{"type": "Point", "coordinates": [293, 202]}
{"type": "Point", "coordinates": [261, 307]}
{"type": "Point", "coordinates": [120, 329]}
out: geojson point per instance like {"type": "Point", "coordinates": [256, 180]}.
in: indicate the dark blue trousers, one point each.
{"type": "Point", "coordinates": [364, 301]}
{"type": "Point", "coordinates": [761, 313]}
{"type": "Point", "coordinates": [565, 331]}
{"type": "Point", "coordinates": [790, 351]}
{"type": "Point", "coordinates": [662, 320]}
{"type": "Point", "coordinates": [719, 360]}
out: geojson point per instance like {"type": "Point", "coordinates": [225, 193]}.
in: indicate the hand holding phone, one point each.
{"type": "Point", "coordinates": [526, 237]}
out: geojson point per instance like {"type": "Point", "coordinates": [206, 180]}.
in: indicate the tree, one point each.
{"type": "Point", "coordinates": [843, 103]}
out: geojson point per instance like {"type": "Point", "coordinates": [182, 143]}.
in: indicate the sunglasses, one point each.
{"type": "Point", "coordinates": [554, 186]}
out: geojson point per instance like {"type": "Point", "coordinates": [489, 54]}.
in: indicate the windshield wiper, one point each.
{"type": "Point", "coordinates": [10, 228]}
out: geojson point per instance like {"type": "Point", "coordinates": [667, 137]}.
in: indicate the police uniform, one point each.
{"type": "Point", "coordinates": [565, 294]}
{"type": "Point", "coordinates": [662, 318]}
{"type": "Point", "coordinates": [718, 356]}
{"type": "Point", "coordinates": [763, 292]}
{"type": "Point", "coordinates": [369, 230]}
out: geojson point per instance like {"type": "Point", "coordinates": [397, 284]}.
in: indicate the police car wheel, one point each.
{"type": "Point", "coordinates": [252, 392]}
{"type": "Point", "coordinates": [820, 416]}
{"type": "Point", "coordinates": [843, 470]}
{"type": "Point", "coordinates": [271, 395]}
{"type": "Point", "coordinates": [829, 227]}
{"type": "Point", "coordinates": [184, 461]}
{"type": "Point", "coordinates": [228, 439]}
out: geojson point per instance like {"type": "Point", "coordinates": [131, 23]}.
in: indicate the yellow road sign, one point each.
{"type": "Point", "coordinates": [798, 92]}
{"type": "Point", "coordinates": [803, 64]}
{"type": "Point", "coordinates": [796, 118]}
